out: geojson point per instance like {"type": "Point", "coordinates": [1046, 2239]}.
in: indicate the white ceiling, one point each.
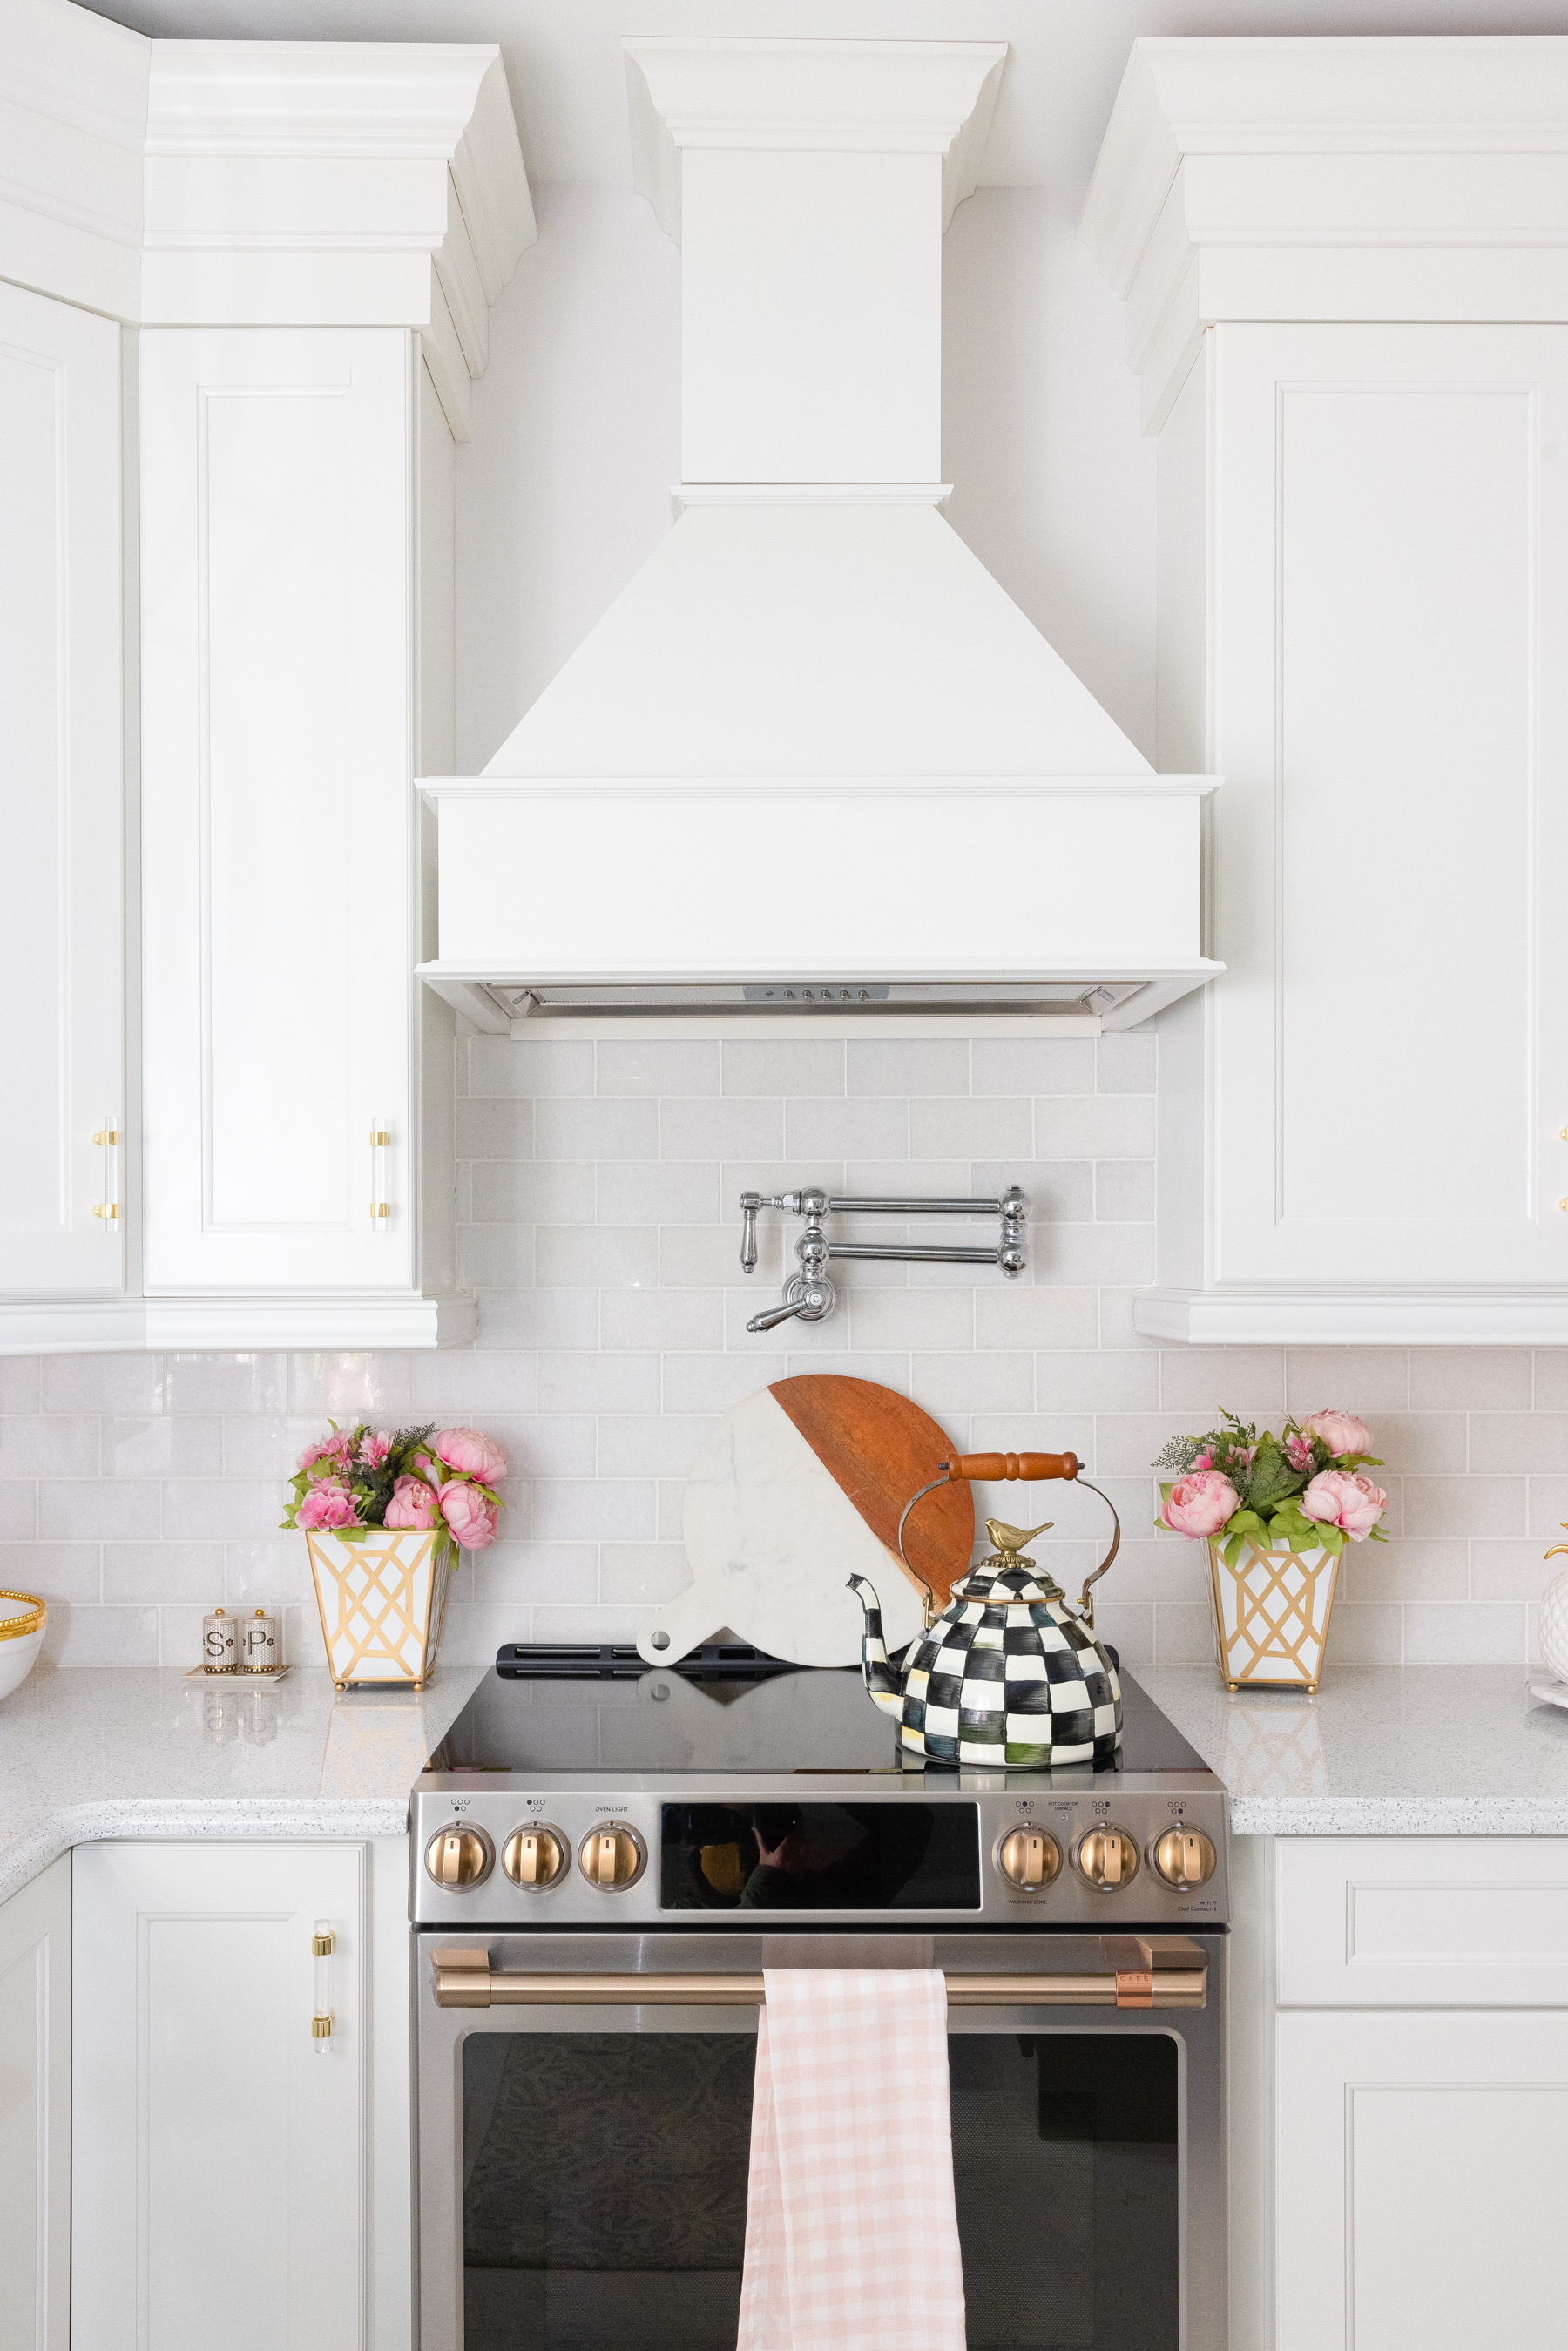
{"type": "Point", "coordinates": [569, 88]}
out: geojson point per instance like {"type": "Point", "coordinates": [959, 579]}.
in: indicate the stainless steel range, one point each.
{"type": "Point", "coordinates": [606, 1858]}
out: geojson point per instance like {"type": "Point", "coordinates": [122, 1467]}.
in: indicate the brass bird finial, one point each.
{"type": "Point", "coordinates": [1010, 1540]}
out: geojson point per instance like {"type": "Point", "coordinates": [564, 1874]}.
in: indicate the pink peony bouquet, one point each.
{"type": "Point", "coordinates": [361, 1477]}
{"type": "Point", "coordinates": [1304, 1488]}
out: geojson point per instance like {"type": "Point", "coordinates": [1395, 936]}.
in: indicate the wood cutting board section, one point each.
{"type": "Point", "coordinates": [801, 1486]}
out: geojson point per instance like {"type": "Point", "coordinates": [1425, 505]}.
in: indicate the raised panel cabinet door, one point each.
{"type": "Point", "coordinates": [36, 2114]}
{"type": "Point", "coordinates": [276, 809]}
{"type": "Point", "coordinates": [62, 1042]}
{"type": "Point", "coordinates": [219, 2185]}
{"type": "Point", "coordinates": [1390, 520]}
{"type": "Point", "coordinates": [1419, 2177]}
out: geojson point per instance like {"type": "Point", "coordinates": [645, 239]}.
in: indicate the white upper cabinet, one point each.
{"type": "Point", "coordinates": [277, 888]}
{"type": "Point", "coordinates": [308, 237]}
{"type": "Point", "coordinates": [1362, 584]}
{"type": "Point", "coordinates": [62, 1042]}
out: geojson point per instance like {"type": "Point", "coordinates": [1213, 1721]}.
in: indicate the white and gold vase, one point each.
{"type": "Point", "coordinates": [381, 1602]}
{"type": "Point", "coordinates": [1272, 1614]}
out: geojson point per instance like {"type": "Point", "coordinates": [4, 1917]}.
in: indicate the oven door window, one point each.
{"type": "Point", "coordinates": [604, 2190]}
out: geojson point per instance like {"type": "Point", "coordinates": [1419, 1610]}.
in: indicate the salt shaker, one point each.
{"type": "Point", "coordinates": [262, 1653]}
{"type": "Point", "coordinates": [220, 1643]}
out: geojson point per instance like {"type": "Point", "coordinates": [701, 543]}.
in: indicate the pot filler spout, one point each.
{"type": "Point", "coordinates": [812, 663]}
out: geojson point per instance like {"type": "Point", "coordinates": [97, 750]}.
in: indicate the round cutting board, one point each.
{"type": "Point", "coordinates": [800, 1488]}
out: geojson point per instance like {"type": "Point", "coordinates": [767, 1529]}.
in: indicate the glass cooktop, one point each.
{"type": "Point", "coordinates": [724, 1710]}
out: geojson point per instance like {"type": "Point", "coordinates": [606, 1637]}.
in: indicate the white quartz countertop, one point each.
{"type": "Point", "coordinates": [1382, 1751]}
{"type": "Point", "coordinates": [125, 1751]}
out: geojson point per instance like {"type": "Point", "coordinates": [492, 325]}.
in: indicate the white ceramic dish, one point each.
{"type": "Point", "coordinates": [21, 1637]}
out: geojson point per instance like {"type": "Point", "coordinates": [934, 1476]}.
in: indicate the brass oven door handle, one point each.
{"type": "Point", "coordinates": [1137, 1971]}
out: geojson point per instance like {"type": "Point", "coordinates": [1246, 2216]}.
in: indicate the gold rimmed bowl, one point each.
{"type": "Point", "coordinates": [22, 1617]}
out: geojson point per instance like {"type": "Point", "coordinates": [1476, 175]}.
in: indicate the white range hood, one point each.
{"type": "Point", "coordinates": [814, 757]}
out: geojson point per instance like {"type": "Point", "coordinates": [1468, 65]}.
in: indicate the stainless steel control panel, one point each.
{"type": "Point", "coordinates": [626, 1855]}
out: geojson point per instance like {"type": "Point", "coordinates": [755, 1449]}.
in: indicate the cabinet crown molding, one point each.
{"type": "Point", "coordinates": [292, 183]}
{"type": "Point", "coordinates": [809, 98]}
{"type": "Point", "coordinates": [1387, 178]}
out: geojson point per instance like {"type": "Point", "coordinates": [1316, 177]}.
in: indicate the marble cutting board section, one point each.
{"type": "Point", "coordinates": [800, 1486]}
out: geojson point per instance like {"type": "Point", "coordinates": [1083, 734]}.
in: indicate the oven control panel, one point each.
{"type": "Point", "coordinates": [719, 1853]}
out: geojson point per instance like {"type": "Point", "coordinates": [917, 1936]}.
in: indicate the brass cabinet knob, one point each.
{"type": "Point", "coordinates": [459, 1856]}
{"type": "Point", "coordinates": [1107, 1857]}
{"type": "Point", "coordinates": [1028, 1857]}
{"type": "Point", "coordinates": [1185, 1858]}
{"type": "Point", "coordinates": [536, 1856]}
{"type": "Point", "coordinates": [612, 1856]}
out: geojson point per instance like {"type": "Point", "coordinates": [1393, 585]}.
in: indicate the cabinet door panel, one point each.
{"type": "Point", "coordinates": [36, 2114]}
{"type": "Point", "coordinates": [276, 823]}
{"type": "Point", "coordinates": [1420, 2163]}
{"type": "Point", "coordinates": [1392, 579]}
{"type": "Point", "coordinates": [219, 2178]}
{"type": "Point", "coordinates": [62, 939]}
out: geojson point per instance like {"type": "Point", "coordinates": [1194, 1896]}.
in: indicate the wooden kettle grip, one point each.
{"type": "Point", "coordinates": [1008, 1465]}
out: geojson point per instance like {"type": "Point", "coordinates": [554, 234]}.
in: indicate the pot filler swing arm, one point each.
{"type": "Point", "coordinates": [810, 1294]}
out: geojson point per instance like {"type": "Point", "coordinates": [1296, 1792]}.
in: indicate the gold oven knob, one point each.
{"type": "Point", "coordinates": [536, 1856]}
{"type": "Point", "coordinates": [1185, 1858]}
{"type": "Point", "coordinates": [1030, 1857]}
{"type": "Point", "coordinates": [612, 1856]}
{"type": "Point", "coordinates": [1107, 1857]}
{"type": "Point", "coordinates": [459, 1856]}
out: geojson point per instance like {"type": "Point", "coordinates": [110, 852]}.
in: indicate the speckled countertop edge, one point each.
{"type": "Point", "coordinates": [191, 1817]}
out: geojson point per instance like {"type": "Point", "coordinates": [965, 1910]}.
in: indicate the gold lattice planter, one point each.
{"type": "Point", "coordinates": [1272, 1614]}
{"type": "Point", "coordinates": [381, 1602]}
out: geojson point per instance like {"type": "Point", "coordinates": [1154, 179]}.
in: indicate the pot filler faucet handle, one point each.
{"type": "Point", "coordinates": [794, 1203]}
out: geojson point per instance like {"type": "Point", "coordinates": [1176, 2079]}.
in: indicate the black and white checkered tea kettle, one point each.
{"type": "Point", "coordinates": [1010, 1673]}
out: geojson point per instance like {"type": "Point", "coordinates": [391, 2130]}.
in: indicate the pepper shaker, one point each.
{"type": "Point", "coordinates": [261, 1648]}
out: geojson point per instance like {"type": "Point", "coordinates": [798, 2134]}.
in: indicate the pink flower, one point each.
{"type": "Point", "coordinates": [328, 1504]}
{"type": "Point", "coordinates": [473, 1520]}
{"type": "Point", "coordinates": [1199, 1503]}
{"type": "Point", "coordinates": [1335, 1498]}
{"type": "Point", "coordinates": [1204, 1461]}
{"type": "Point", "coordinates": [374, 1447]}
{"type": "Point", "coordinates": [332, 1452]}
{"type": "Point", "coordinates": [1298, 1451]}
{"type": "Point", "coordinates": [465, 1450]}
{"type": "Point", "coordinates": [1340, 1431]}
{"type": "Point", "coordinates": [412, 1504]}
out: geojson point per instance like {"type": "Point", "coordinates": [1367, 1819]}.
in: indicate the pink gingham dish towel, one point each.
{"type": "Point", "coordinates": [851, 2235]}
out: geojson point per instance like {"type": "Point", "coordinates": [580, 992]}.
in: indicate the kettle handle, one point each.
{"type": "Point", "coordinates": [1006, 1466]}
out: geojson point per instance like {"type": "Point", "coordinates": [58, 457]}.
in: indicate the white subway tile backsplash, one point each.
{"type": "Point", "coordinates": [783, 1066]}
{"type": "Point", "coordinates": [610, 1128]}
{"type": "Point", "coordinates": [596, 1257]}
{"type": "Point", "coordinates": [863, 1127]}
{"type": "Point", "coordinates": [677, 1192]}
{"type": "Point", "coordinates": [1095, 1127]}
{"type": "Point", "coordinates": [654, 1068]}
{"type": "Point", "coordinates": [721, 1129]}
{"type": "Point", "coordinates": [1125, 1064]}
{"type": "Point", "coordinates": [1053, 1065]}
{"type": "Point", "coordinates": [1124, 1191]}
{"type": "Point", "coordinates": [49, 1449]}
{"type": "Point", "coordinates": [489, 1129]}
{"type": "Point", "coordinates": [916, 1066]}
{"type": "Point", "coordinates": [137, 1490]}
{"type": "Point", "coordinates": [498, 1065]}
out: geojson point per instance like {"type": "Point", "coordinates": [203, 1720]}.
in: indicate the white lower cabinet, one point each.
{"type": "Point", "coordinates": [1399, 2094]}
{"type": "Point", "coordinates": [1422, 2160]}
{"type": "Point", "coordinates": [236, 2179]}
{"type": "Point", "coordinates": [36, 2114]}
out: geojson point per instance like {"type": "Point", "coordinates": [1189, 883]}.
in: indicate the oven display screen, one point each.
{"type": "Point", "coordinates": [902, 1856]}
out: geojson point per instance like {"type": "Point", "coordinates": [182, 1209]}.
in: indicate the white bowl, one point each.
{"type": "Point", "coordinates": [21, 1637]}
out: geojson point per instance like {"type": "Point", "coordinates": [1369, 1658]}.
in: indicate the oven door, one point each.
{"type": "Point", "coordinates": [585, 2126]}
